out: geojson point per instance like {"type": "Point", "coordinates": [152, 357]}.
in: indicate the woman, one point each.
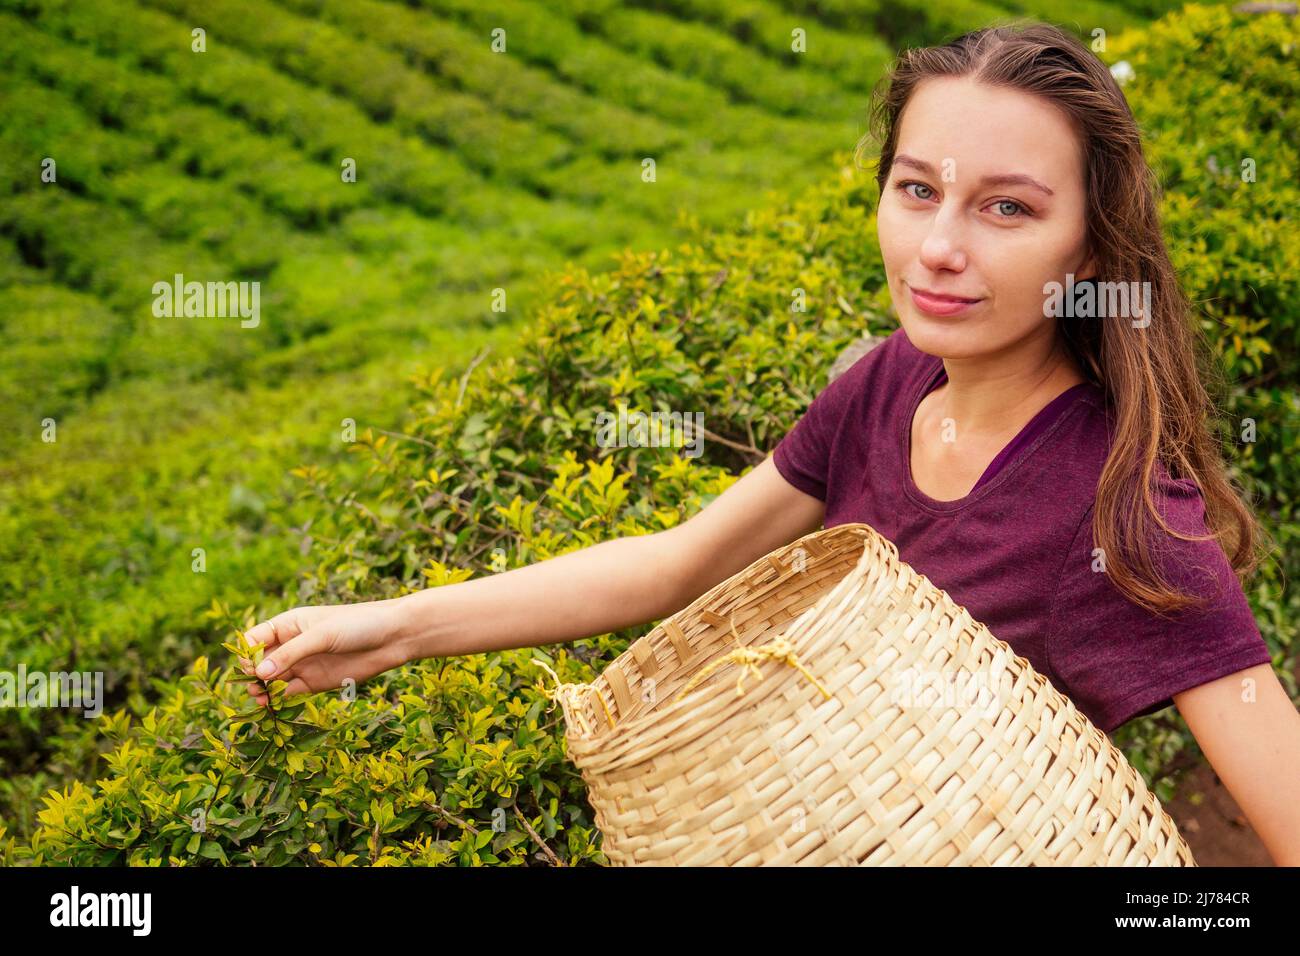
{"type": "Point", "coordinates": [1040, 455]}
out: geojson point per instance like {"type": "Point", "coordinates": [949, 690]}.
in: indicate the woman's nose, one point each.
{"type": "Point", "coordinates": [944, 245]}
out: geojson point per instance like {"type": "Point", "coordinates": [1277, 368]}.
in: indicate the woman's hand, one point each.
{"type": "Point", "coordinates": [318, 648]}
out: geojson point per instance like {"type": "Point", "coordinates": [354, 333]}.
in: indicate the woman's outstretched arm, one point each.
{"type": "Point", "coordinates": [613, 584]}
{"type": "Point", "coordinates": [595, 590]}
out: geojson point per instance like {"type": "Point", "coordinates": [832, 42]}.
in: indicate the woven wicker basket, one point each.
{"type": "Point", "coordinates": [874, 723]}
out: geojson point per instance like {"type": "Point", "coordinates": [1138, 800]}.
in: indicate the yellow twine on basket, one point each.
{"type": "Point", "coordinates": [779, 649]}
{"type": "Point", "coordinates": [572, 694]}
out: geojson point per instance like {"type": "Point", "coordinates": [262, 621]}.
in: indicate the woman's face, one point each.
{"type": "Point", "coordinates": [947, 226]}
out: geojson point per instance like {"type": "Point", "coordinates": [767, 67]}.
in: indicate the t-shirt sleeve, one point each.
{"type": "Point", "coordinates": [803, 456]}
{"type": "Point", "coordinates": [1117, 660]}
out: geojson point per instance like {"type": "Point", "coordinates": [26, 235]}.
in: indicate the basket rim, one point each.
{"type": "Point", "coordinates": [858, 533]}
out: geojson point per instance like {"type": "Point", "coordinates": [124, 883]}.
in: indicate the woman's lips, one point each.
{"type": "Point", "coordinates": [939, 304]}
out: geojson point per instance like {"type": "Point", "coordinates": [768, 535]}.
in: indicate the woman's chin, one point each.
{"type": "Point", "coordinates": [949, 337]}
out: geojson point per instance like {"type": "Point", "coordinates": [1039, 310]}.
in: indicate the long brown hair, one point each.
{"type": "Point", "coordinates": [1153, 377]}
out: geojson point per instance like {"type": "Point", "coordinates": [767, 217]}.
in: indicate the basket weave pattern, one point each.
{"type": "Point", "coordinates": [876, 723]}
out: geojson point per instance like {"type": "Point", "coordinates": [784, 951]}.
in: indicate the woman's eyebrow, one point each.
{"type": "Point", "coordinates": [1002, 179]}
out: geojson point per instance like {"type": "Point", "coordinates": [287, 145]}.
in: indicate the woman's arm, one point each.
{"type": "Point", "coordinates": [1250, 732]}
{"type": "Point", "coordinates": [613, 584]}
{"type": "Point", "coordinates": [597, 589]}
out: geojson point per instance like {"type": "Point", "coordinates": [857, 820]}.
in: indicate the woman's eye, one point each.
{"type": "Point", "coordinates": [1015, 206]}
{"type": "Point", "coordinates": [907, 182]}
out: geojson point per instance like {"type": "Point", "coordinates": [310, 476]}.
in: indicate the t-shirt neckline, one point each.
{"type": "Point", "coordinates": [1048, 418]}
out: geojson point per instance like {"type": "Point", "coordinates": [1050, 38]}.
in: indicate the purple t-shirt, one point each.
{"type": "Point", "coordinates": [1017, 552]}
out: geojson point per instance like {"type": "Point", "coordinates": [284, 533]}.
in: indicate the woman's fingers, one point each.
{"type": "Point", "coordinates": [325, 672]}
{"type": "Point", "coordinates": [291, 650]}
{"type": "Point", "coordinates": [279, 628]}
{"type": "Point", "coordinates": [283, 627]}
{"type": "Point", "coordinates": [271, 634]}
